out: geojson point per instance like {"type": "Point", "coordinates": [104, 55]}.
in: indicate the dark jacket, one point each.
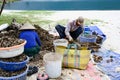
{"type": "Point", "coordinates": [31, 37]}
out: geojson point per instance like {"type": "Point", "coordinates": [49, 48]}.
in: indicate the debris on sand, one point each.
{"type": "Point", "coordinates": [38, 59]}
{"type": "Point", "coordinates": [6, 41]}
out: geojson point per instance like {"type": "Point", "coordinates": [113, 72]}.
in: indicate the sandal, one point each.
{"type": "Point", "coordinates": [42, 77]}
{"type": "Point", "coordinates": [32, 70]}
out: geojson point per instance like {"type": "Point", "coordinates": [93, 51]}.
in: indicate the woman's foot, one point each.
{"type": "Point", "coordinates": [31, 58]}
{"type": "Point", "coordinates": [32, 70]}
{"type": "Point", "coordinates": [42, 77]}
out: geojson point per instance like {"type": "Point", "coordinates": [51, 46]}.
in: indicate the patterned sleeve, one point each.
{"type": "Point", "coordinates": [67, 30]}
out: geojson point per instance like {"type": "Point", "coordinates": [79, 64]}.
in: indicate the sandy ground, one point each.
{"type": "Point", "coordinates": [111, 27]}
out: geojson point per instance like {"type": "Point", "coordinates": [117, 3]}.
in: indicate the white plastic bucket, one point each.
{"type": "Point", "coordinates": [53, 64]}
{"type": "Point", "coordinates": [60, 42]}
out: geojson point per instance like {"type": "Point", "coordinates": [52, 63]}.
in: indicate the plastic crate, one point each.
{"type": "Point", "coordinates": [88, 38]}
{"type": "Point", "coordinates": [98, 31]}
{"type": "Point", "coordinates": [21, 76]}
{"type": "Point", "coordinates": [13, 66]}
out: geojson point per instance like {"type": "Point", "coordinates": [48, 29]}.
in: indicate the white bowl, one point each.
{"type": "Point", "coordinates": [4, 26]}
{"type": "Point", "coordinates": [13, 51]}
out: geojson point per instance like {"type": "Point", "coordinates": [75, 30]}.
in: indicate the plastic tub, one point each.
{"type": "Point", "coordinates": [60, 42]}
{"type": "Point", "coordinates": [98, 31]}
{"type": "Point", "coordinates": [21, 76]}
{"type": "Point", "coordinates": [13, 51]}
{"type": "Point", "coordinates": [13, 66]}
{"type": "Point", "coordinates": [53, 64]}
{"type": "Point", "coordinates": [4, 26]}
{"type": "Point", "coordinates": [89, 38]}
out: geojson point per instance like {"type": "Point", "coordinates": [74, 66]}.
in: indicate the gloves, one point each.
{"type": "Point", "coordinates": [70, 39]}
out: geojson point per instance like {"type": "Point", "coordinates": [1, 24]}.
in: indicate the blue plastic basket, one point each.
{"type": "Point", "coordinates": [87, 39]}
{"type": "Point", "coordinates": [21, 76]}
{"type": "Point", "coordinates": [98, 31]}
{"type": "Point", "coordinates": [13, 66]}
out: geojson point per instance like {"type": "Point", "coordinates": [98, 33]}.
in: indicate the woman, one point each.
{"type": "Point", "coordinates": [32, 47]}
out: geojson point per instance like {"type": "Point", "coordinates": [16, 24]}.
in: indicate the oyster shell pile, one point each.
{"type": "Point", "coordinates": [19, 58]}
{"type": "Point", "coordinates": [6, 41]}
{"type": "Point", "coordinates": [4, 73]}
{"type": "Point", "coordinates": [97, 58]}
{"type": "Point", "coordinates": [46, 39]}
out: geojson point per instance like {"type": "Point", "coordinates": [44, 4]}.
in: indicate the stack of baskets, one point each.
{"type": "Point", "coordinates": [13, 66]}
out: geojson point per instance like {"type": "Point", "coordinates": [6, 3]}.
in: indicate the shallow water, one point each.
{"type": "Point", "coordinates": [63, 5]}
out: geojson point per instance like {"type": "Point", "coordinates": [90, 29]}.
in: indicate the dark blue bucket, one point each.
{"type": "Point", "coordinates": [21, 76]}
{"type": "Point", "coordinates": [13, 66]}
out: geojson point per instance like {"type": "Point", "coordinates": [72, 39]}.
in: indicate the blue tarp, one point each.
{"type": "Point", "coordinates": [109, 68]}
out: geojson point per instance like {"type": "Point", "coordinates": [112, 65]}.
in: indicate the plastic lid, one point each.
{"type": "Point", "coordinates": [4, 26]}
{"type": "Point", "coordinates": [87, 29]}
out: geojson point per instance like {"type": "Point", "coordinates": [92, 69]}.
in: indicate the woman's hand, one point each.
{"type": "Point", "coordinates": [70, 39]}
